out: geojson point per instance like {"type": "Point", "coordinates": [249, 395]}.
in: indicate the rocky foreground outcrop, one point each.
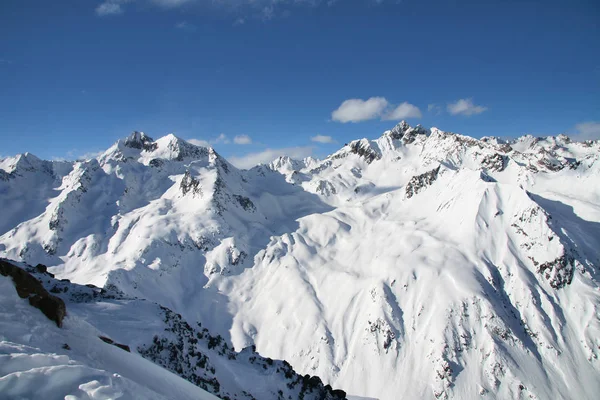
{"type": "Point", "coordinates": [29, 287]}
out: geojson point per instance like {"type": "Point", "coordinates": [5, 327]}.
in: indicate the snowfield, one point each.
{"type": "Point", "coordinates": [34, 364]}
{"type": "Point", "coordinates": [421, 264]}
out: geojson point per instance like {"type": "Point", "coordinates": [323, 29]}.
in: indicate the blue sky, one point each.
{"type": "Point", "coordinates": [287, 76]}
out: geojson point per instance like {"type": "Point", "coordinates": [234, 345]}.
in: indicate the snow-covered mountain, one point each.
{"type": "Point", "coordinates": [421, 264]}
{"type": "Point", "coordinates": [82, 348]}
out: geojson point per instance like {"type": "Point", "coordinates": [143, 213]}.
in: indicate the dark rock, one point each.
{"type": "Point", "coordinates": [139, 140]}
{"type": "Point", "coordinates": [558, 272]}
{"type": "Point", "coordinates": [119, 345]}
{"type": "Point", "coordinates": [398, 131]}
{"type": "Point", "coordinates": [495, 162]}
{"type": "Point", "coordinates": [419, 182]}
{"type": "Point", "coordinates": [180, 150]}
{"type": "Point", "coordinates": [29, 287]}
{"type": "Point", "coordinates": [190, 184]}
{"type": "Point", "coordinates": [156, 162]}
{"type": "Point", "coordinates": [364, 151]}
{"type": "Point", "coordinates": [41, 268]}
{"type": "Point", "coordinates": [245, 202]}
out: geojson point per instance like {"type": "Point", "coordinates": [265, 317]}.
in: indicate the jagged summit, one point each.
{"type": "Point", "coordinates": [404, 131]}
{"type": "Point", "coordinates": [139, 140]}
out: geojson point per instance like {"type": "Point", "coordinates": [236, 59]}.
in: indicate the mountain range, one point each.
{"type": "Point", "coordinates": [420, 264]}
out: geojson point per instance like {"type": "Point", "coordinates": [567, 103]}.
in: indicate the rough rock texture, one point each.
{"type": "Point", "coordinates": [29, 287]}
{"type": "Point", "coordinates": [420, 182]}
{"type": "Point", "coordinates": [119, 345]}
{"type": "Point", "coordinates": [189, 184]}
{"type": "Point", "coordinates": [139, 140]}
{"type": "Point", "coordinates": [362, 149]}
{"type": "Point", "coordinates": [495, 162]}
{"type": "Point", "coordinates": [558, 272]}
{"type": "Point", "coordinates": [188, 351]}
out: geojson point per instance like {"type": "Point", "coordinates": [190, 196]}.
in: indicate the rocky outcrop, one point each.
{"type": "Point", "coordinates": [398, 131]}
{"type": "Point", "coordinates": [404, 132]}
{"type": "Point", "coordinates": [29, 287]}
{"type": "Point", "coordinates": [189, 184]}
{"type": "Point", "coordinates": [189, 350]}
{"type": "Point", "coordinates": [119, 345]}
{"type": "Point", "coordinates": [139, 140]}
{"type": "Point", "coordinates": [362, 148]}
{"type": "Point", "coordinates": [558, 272]}
{"type": "Point", "coordinates": [245, 202]}
{"type": "Point", "coordinates": [181, 150]}
{"type": "Point", "coordinates": [495, 162]}
{"type": "Point", "coordinates": [420, 182]}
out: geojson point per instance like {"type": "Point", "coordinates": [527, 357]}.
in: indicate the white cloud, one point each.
{"type": "Point", "coordinates": [171, 3]}
{"type": "Point", "coordinates": [76, 154]}
{"type": "Point", "coordinates": [262, 157]}
{"type": "Point", "coordinates": [222, 138]}
{"type": "Point", "coordinates": [242, 139]}
{"type": "Point", "coordinates": [185, 26]}
{"type": "Point", "coordinates": [322, 139]}
{"type": "Point", "coordinates": [434, 108]}
{"type": "Point", "coordinates": [465, 107]}
{"type": "Point", "coordinates": [587, 131]}
{"type": "Point", "coordinates": [242, 10]}
{"type": "Point", "coordinates": [109, 8]}
{"type": "Point", "coordinates": [199, 142]}
{"type": "Point", "coordinates": [356, 110]}
{"type": "Point", "coordinates": [113, 7]}
{"type": "Point", "coordinates": [89, 155]}
{"type": "Point", "coordinates": [268, 13]}
{"type": "Point", "coordinates": [403, 111]}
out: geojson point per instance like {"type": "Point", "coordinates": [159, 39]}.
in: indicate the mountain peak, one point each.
{"type": "Point", "coordinates": [397, 132]}
{"type": "Point", "coordinates": [139, 140]}
{"type": "Point", "coordinates": [404, 130]}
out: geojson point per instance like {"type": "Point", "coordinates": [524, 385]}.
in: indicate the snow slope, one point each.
{"type": "Point", "coordinates": [35, 364]}
{"type": "Point", "coordinates": [423, 263]}
{"type": "Point", "coordinates": [41, 360]}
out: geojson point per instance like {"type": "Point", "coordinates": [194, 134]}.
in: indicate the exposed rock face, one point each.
{"type": "Point", "coordinates": [119, 345]}
{"type": "Point", "coordinates": [139, 140]}
{"type": "Point", "coordinates": [558, 272]}
{"type": "Point", "coordinates": [190, 184]}
{"type": "Point", "coordinates": [245, 202]}
{"type": "Point", "coordinates": [325, 188]}
{"type": "Point", "coordinates": [362, 148]}
{"type": "Point", "coordinates": [181, 150]}
{"type": "Point", "coordinates": [420, 182]}
{"type": "Point", "coordinates": [29, 287]}
{"type": "Point", "coordinates": [188, 351]}
{"type": "Point", "coordinates": [496, 162]}
{"type": "Point", "coordinates": [398, 131]}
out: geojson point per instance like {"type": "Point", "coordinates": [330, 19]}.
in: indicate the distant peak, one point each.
{"type": "Point", "coordinates": [171, 137]}
{"type": "Point", "coordinates": [402, 125]}
{"type": "Point", "coordinates": [403, 131]}
{"type": "Point", "coordinates": [139, 140]}
{"type": "Point", "coordinates": [397, 132]}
